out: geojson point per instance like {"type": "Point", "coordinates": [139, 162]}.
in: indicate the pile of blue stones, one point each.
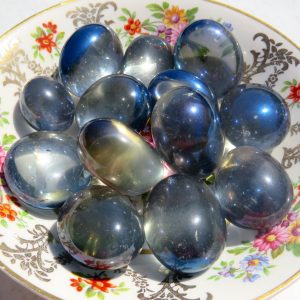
{"type": "Point", "coordinates": [193, 97]}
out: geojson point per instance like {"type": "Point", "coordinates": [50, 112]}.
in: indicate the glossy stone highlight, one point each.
{"type": "Point", "coordinates": [119, 157]}
{"type": "Point", "coordinates": [119, 97]}
{"type": "Point", "coordinates": [253, 189]}
{"type": "Point", "coordinates": [186, 131]}
{"type": "Point", "coordinates": [163, 82]}
{"type": "Point", "coordinates": [43, 169]}
{"type": "Point", "coordinates": [254, 115]}
{"type": "Point", "coordinates": [184, 225]}
{"type": "Point", "coordinates": [46, 105]}
{"type": "Point", "coordinates": [209, 50]}
{"type": "Point", "coordinates": [146, 56]}
{"type": "Point", "coordinates": [100, 228]}
{"type": "Point", "coordinates": [92, 52]}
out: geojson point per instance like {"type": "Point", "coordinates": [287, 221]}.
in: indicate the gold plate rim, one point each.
{"type": "Point", "coordinates": [40, 292]}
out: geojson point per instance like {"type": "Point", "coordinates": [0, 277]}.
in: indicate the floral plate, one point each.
{"type": "Point", "coordinates": [253, 265]}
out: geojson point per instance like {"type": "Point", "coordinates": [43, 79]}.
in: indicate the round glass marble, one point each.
{"type": "Point", "coordinates": [46, 105]}
{"type": "Point", "coordinates": [43, 169]}
{"type": "Point", "coordinates": [254, 115]}
{"type": "Point", "coordinates": [209, 50]}
{"type": "Point", "coordinates": [92, 52]}
{"type": "Point", "coordinates": [116, 96]}
{"type": "Point", "coordinates": [100, 228]}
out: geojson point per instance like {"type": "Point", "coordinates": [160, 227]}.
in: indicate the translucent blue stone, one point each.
{"type": "Point", "coordinates": [119, 157]}
{"type": "Point", "coordinates": [209, 50]}
{"type": "Point", "coordinates": [46, 105]}
{"type": "Point", "coordinates": [186, 131]}
{"type": "Point", "coordinates": [254, 115]}
{"type": "Point", "coordinates": [147, 56]}
{"type": "Point", "coordinates": [167, 80]}
{"type": "Point", "coordinates": [253, 189]}
{"type": "Point", "coordinates": [100, 228]}
{"type": "Point", "coordinates": [43, 169]}
{"type": "Point", "coordinates": [183, 223]}
{"type": "Point", "coordinates": [92, 52]}
{"type": "Point", "coordinates": [119, 97]}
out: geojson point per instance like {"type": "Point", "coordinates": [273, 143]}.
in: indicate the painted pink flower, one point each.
{"type": "Point", "coordinates": [273, 239]}
{"type": "Point", "coordinates": [176, 30]}
{"type": "Point", "coordinates": [2, 158]}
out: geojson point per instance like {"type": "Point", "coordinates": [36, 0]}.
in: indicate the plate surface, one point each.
{"type": "Point", "coordinates": [251, 266]}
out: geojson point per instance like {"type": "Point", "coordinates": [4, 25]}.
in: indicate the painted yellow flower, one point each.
{"type": "Point", "coordinates": [174, 16]}
{"type": "Point", "coordinates": [294, 232]}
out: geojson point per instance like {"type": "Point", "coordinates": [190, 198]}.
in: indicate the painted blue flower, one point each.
{"type": "Point", "coordinates": [227, 272]}
{"type": "Point", "coordinates": [251, 277]}
{"type": "Point", "coordinates": [228, 26]}
{"type": "Point", "coordinates": [255, 262]}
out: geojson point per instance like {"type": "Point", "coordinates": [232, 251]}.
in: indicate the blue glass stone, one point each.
{"type": "Point", "coordinates": [119, 97]}
{"type": "Point", "coordinates": [253, 189]}
{"type": "Point", "coordinates": [100, 228]}
{"type": "Point", "coordinates": [92, 52]}
{"type": "Point", "coordinates": [43, 169]}
{"type": "Point", "coordinates": [167, 80]}
{"type": "Point", "coordinates": [186, 131]}
{"type": "Point", "coordinates": [183, 223]}
{"type": "Point", "coordinates": [209, 50]}
{"type": "Point", "coordinates": [46, 105]}
{"type": "Point", "coordinates": [147, 56]}
{"type": "Point", "coordinates": [254, 115]}
{"type": "Point", "coordinates": [119, 157]}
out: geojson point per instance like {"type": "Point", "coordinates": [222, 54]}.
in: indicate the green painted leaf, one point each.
{"type": "Point", "coordinates": [190, 13]}
{"type": "Point", "coordinates": [158, 15]}
{"type": "Point", "coordinates": [228, 50]}
{"type": "Point", "coordinates": [4, 120]}
{"type": "Point", "coordinates": [122, 18]}
{"type": "Point", "coordinates": [223, 263]}
{"type": "Point", "coordinates": [237, 251]}
{"type": "Point", "coordinates": [4, 223]}
{"type": "Point", "coordinates": [246, 243]}
{"type": "Point", "coordinates": [122, 284]}
{"type": "Point", "coordinates": [252, 250]}
{"type": "Point", "coordinates": [60, 36]}
{"type": "Point", "coordinates": [165, 5]}
{"type": "Point", "coordinates": [149, 28]}
{"type": "Point", "coordinates": [266, 271]}
{"type": "Point", "coordinates": [217, 268]}
{"type": "Point", "coordinates": [296, 249]}
{"type": "Point", "coordinates": [133, 15]}
{"type": "Point", "coordinates": [275, 253]}
{"type": "Point", "coordinates": [5, 113]}
{"type": "Point", "coordinates": [35, 54]}
{"type": "Point", "coordinates": [100, 296]}
{"type": "Point", "coordinates": [154, 7]}
{"type": "Point", "coordinates": [270, 266]}
{"type": "Point", "coordinates": [90, 293]}
{"type": "Point", "coordinates": [284, 89]}
{"type": "Point", "coordinates": [126, 12]}
{"type": "Point", "coordinates": [39, 31]}
{"type": "Point", "coordinates": [115, 292]}
{"type": "Point", "coordinates": [212, 277]}
{"type": "Point", "coordinates": [287, 82]}
{"type": "Point", "coordinates": [21, 225]}
{"type": "Point", "coordinates": [122, 290]}
{"type": "Point", "coordinates": [294, 82]}
{"type": "Point", "coordinates": [8, 139]}
{"type": "Point", "coordinates": [231, 263]}
{"type": "Point", "coordinates": [240, 275]}
{"type": "Point", "coordinates": [296, 207]}
{"type": "Point", "coordinates": [34, 35]}
{"type": "Point", "coordinates": [217, 278]}
{"type": "Point", "coordinates": [41, 57]}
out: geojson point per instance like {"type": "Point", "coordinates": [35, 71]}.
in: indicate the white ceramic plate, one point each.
{"type": "Point", "coordinates": [251, 266]}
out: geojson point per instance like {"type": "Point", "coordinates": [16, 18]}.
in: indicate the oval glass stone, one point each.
{"type": "Point", "coordinates": [92, 52]}
{"type": "Point", "coordinates": [43, 169]}
{"type": "Point", "coordinates": [119, 157]}
{"type": "Point", "coordinates": [117, 96]}
{"type": "Point", "coordinates": [146, 56]}
{"type": "Point", "coordinates": [46, 105]}
{"type": "Point", "coordinates": [209, 50]}
{"type": "Point", "coordinates": [100, 228]}
{"type": "Point", "coordinates": [167, 80]}
{"type": "Point", "coordinates": [254, 115]}
{"type": "Point", "coordinates": [184, 226]}
{"type": "Point", "coordinates": [253, 189]}
{"type": "Point", "coordinates": [186, 132]}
